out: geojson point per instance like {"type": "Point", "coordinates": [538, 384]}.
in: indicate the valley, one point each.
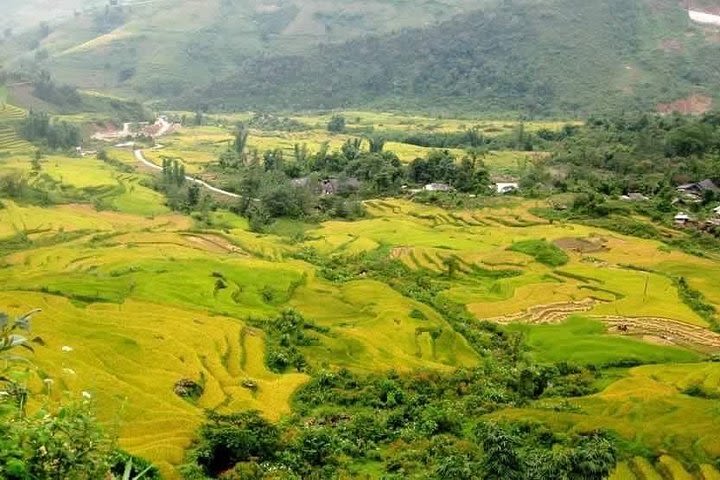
{"type": "Point", "coordinates": [135, 297]}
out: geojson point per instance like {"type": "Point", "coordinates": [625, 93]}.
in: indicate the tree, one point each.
{"type": "Point", "coordinates": [593, 457]}
{"type": "Point", "coordinates": [273, 160]}
{"type": "Point", "coordinates": [226, 440]}
{"type": "Point", "coordinates": [352, 148]}
{"type": "Point", "coordinates": [241, 138]}
{"type": "Point", "coordinates": [337, 124]}
{"type": "Point", "coordinates": [36, 165]}
{"type": "Point", "coordinates": [377, 144]}
{"type": "Point", "coordinates": [502, 460]}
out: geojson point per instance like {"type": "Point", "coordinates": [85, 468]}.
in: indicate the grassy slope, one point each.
{"type": "Point", "coordinates": [583, 341]}
{"type": "Point", "coordinates": [174, 45]}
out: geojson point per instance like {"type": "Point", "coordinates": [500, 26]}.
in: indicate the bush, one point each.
{"type": "Point", "coordinates": [226, 440]}
{"type": "Point", "coordinates": [336, 124]}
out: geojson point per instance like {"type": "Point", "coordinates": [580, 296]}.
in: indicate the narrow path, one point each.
{"type": "Point", "coordinates": [140, 157]}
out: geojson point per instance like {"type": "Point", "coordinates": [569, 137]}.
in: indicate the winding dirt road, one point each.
{"type": "Point", "coordinates": [140, 157]}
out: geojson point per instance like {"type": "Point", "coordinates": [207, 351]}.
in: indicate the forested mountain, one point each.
{"type": "Point", "coordinates": [556, 57]}
{"type": "Point", "coordinates": [538, 57]}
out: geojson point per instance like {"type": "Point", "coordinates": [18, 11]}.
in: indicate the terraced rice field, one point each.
{"type": "Point", "coordinates": [132, 304]}
{"type": "Point", "coordinates": [11, 142]}
{"type": "Point", "coordinates": [664, 468]}
{"type": "Point", "coordinates": [11, 113]}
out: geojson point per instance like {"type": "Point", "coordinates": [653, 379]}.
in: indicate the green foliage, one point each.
{"type": "Point", "coordinates": [469, 175]}
{"type": "Point", "coordinates": [129, 467]}
{"type": "Point", "coordinates": [64, 444]}
{"type": "Point", "coordinates": [697, 301]}
{"type": "Point", "coordinates": [285, 334]}
{"type": "Point", "coordinates": [18, 187]}
{"type": "Point", "coordinates": [12, 339]}
{"type": "Point", "coordinates": [542, 251]}
{"type": "Point", "coordinates": [37, 127]}
{"type": "Point", "coordinates": [421, 422]}
{"type": "Point", "coordinates": [225, 440]}
{"type": "Point", "coordinates": [45, 88]}
{"type": "Point", "coordinates": [447, 66]}
{"type": "Point", "coordinates": [336, 124]}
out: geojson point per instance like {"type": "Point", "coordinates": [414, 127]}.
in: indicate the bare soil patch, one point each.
{"type": "Point", "coordinates": [582, 245]}
{"type": "Point", "coordinates": [672, 45]}
{"type": "Point", "coordinates": [693, 105]}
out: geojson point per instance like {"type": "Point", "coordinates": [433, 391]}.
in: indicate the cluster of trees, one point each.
{"type": "Point", "coordinates": [285, 335]}
{"type": "Point", "coordinates": [384, 422]}
{"type": "Point", "coordinates": [182, 195]}
{"type": "Point", "coordinates": [331, 184]}
{"type": "Point", "coordinates": [45, 88]}
{"type": "Point", "coordinates": [631, 153]}
{"type": "Point", "coordinates": [469, 176]}
{"type": "Point", "coordinates": [38, 127]}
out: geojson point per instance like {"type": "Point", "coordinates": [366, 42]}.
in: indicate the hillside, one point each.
{"type": "Point", "coordinates": [159, 48]}
{"type": "Point", "coordinates": [552, 58]}
{"type": "Point", "coordinates": [542, 57]}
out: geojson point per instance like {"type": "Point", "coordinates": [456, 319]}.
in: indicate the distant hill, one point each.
{"type": "Point", "coordinates": [160, 48]}
{"type": "Point", "coordinates": [555, 57]}
{"type": "Point", "coordinates": [540, 57]}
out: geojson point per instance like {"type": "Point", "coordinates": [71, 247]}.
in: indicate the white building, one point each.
{"type": "Point", "coordinates": [437, 187]}
{"type": "Point", "coordinates": [506, 187]}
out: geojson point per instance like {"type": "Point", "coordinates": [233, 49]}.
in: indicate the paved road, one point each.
{"type": "Point", "coordinates": [141, 158]}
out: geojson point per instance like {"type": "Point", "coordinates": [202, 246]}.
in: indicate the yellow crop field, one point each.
{"type": "Point", "coordinates": [135, 298]}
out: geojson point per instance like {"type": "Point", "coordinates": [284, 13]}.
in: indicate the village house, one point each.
{"type": "Point", "coordinates": [328, 186]}
{"type": "Point", "coordinates": [694, 192]}
{"type": "Point", "coordinates": [682, 219]}
{"type": "Point", "coordinates": [634, 197]}
{"type": "Point", "coordinates": [507, 187]}
{"type": "Point", "coordinates": [437, 187]}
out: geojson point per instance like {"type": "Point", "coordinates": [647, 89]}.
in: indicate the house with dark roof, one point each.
{"type": "Point", "coordinates": [699, 188]}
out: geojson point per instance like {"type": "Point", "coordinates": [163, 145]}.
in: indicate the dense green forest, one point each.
{"type": "Point", "coordinates": [552, 58]}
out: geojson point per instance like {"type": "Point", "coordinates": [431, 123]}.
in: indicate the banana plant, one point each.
{"type": "Point", "coordinates": [11, 339]}
{"type": "Point", "coordinates": [127, 475]}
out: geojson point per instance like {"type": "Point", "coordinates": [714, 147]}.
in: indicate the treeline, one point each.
{"type": "Point", "coordinates": [39, 128]}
